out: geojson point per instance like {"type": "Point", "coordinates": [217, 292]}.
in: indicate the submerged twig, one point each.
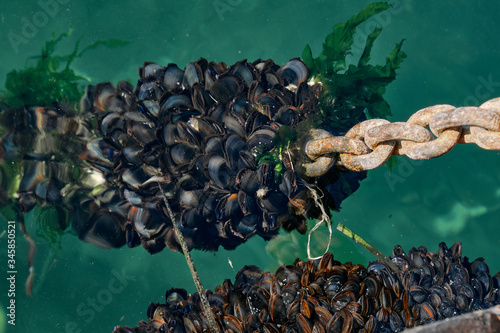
{"type": "Point", "coordinates": [351, 234]}
{"type": "Point", "coordinates": [204, 301]}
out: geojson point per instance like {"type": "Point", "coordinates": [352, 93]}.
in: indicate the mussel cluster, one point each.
{"type": "Point", "coordinates": [196, 134]}
{"type": "Point", "coordinates": [39, 163]}
{"type": "Point", "coordinates": [214, 139]}
{"type": "Point", "coordinates": [325, 295]}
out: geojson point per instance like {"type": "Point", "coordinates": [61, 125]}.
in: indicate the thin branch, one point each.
{"type": "Point", "coordinates": [204, 301]}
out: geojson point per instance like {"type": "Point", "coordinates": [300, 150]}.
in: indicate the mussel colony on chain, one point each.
{"type": "Point", "coordinates": [206, 134]}
{"type": "Point", "coordinates": [325, 295]}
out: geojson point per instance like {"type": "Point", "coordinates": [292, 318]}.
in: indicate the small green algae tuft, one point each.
{"type": "Point", "coordinates": [51, 79]}
{"type": "Point", "coordinates": [281, 142]}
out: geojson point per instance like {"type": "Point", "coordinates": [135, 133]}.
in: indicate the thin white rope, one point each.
{"type": "Point", "coordinates": [324, 219]}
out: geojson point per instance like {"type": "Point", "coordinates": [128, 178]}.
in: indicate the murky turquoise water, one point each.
{"type": "Point", "coordinates": [453, 51]}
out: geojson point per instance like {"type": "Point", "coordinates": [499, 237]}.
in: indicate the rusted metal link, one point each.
{"type": "Point", "coordinates": [464, 116]}
{"type": "Point", "coordinates": [375, 158]}
{"type": "Point", "coordinates": [322, 164]}
{"type": "Point", "coordinates": [437, 147]}
{"type": "Point", "coordinates": [370, 143]}
{"type": "Point", "coordinates": [398, 131]}
{"type": "Point", "coordinates": [337, 144]}
{"type": "Point", "coordinates": [487, 139]}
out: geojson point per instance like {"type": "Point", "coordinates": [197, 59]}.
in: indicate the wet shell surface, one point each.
{"type": "Point", "coordinates": [197, 134]}
{"type": "Point", "coordinates": [325, 295]}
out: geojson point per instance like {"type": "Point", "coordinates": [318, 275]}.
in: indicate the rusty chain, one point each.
{"type": "Point", "coordinates": [370, 143]}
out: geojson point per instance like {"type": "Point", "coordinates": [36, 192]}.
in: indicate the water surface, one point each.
{"type": "Point", "coordinates": [453, 53]}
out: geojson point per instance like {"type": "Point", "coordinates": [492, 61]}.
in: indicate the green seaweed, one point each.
{"type": "Point", "coordinates": [352, 92]}
{"type": "Point", "coordinates": [282, 140]}
{"type": "Point", "coordinates": [349, 93]}
{"type": "Point", "coordinates": [51, 79]}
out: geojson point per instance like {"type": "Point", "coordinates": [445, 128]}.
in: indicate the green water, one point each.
{"type": "Point", "coordinates": [453, 51]}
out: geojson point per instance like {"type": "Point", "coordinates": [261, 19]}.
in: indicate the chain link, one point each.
{"type": "Point", "coordinates": [370, 143]}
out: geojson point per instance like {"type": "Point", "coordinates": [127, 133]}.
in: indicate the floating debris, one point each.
{"type": "Point", "coordinates": [325, 295]}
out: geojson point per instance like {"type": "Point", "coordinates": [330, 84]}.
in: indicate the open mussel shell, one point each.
{"type": "Point", "coordinates": [208, 202]}
{"type": "Point", "coordinates": [247, 203]}
{"type": "Point", "coordinates": [111, 122]}
{"type": "Point", "coordinates": [287, 115]}
{"type": "Point", "coordinates": [294, 72]}
{"type": "Point", "coordinates": [228, 207]}
{"type": "Point", "coordinates": [201, 99]}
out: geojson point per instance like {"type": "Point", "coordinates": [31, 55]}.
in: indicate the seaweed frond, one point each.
{"type": "Point", "coordinates": [51, 79]}
{"type": "Point", "coordinates": [352, 92]}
